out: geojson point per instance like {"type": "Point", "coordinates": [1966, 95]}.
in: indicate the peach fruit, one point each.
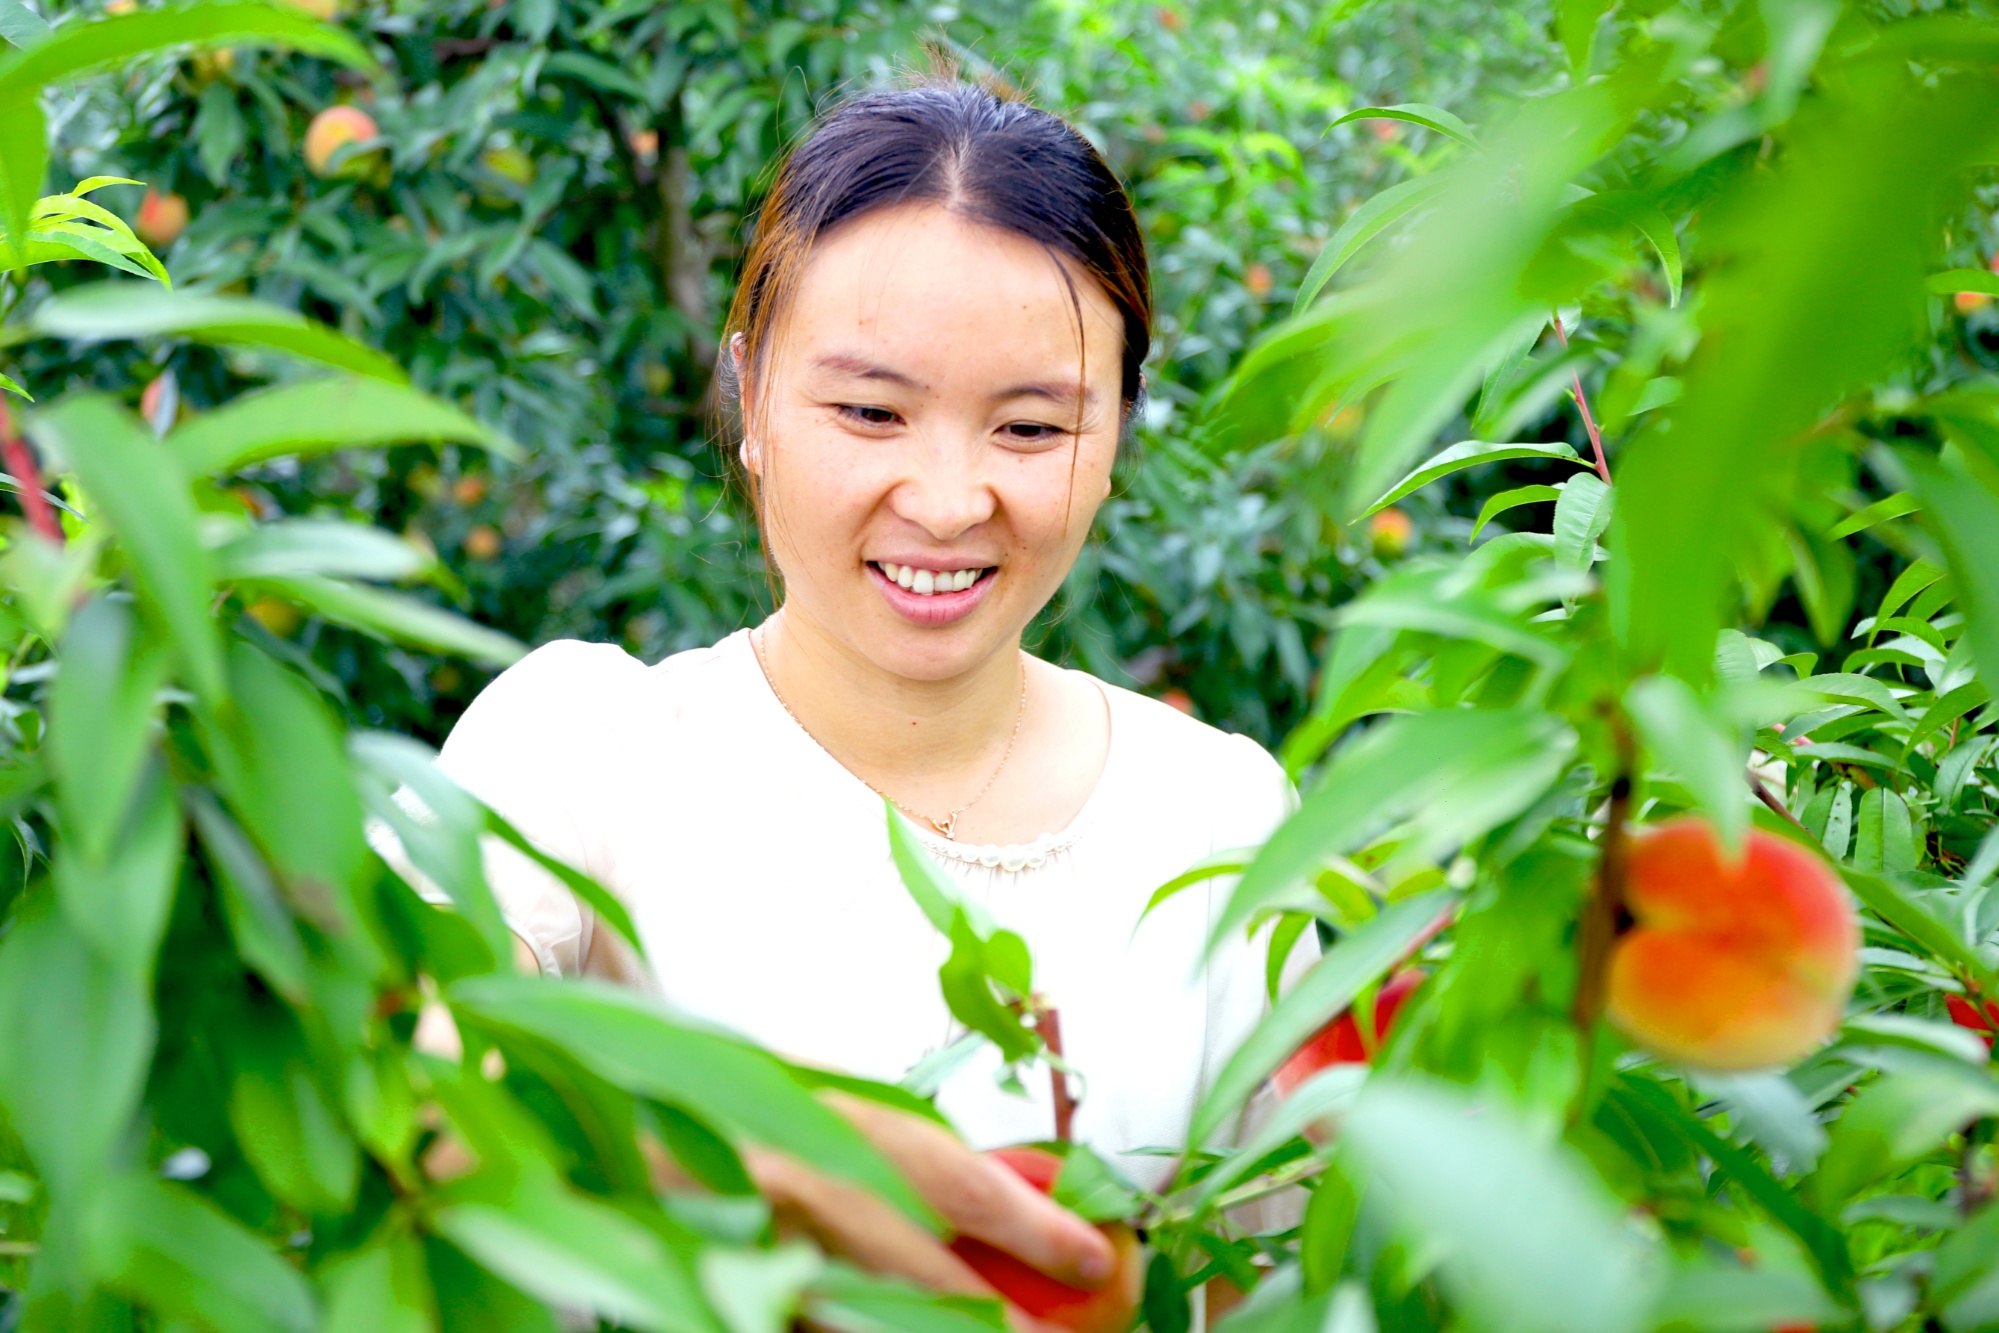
{"type": "Point", "coordinates": [1339, 1042]}
{"type": "Point", "coordinates": [1731, 964]}
{"type": "Point", "coordinates": [1968, 1015]}
{"type": "Point", "coordinates": [1390, 531]}
{"type": "Point", "coordinates": [162, 218]}
{"type": "Point", "coordinates": [1112, 1308]}
{"type": "Point", "coordinates": [331, 130]}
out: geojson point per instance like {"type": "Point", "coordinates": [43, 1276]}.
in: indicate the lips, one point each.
{"type": "Point", "coordinates": [929, 582]}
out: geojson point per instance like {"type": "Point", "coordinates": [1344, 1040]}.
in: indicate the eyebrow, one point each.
{"type": "Point", "coordinates": [862, 368]}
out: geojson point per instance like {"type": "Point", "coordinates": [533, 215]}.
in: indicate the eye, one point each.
{"type": "Point", "coordinates": [1031, 432]}
{"type": "Point", "coordinates": [867, 416]}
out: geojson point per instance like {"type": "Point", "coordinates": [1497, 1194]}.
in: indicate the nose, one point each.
{"type": "Point", "coordinates": [945, 491]}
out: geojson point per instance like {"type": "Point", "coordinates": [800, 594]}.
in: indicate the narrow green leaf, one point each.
{"type": "Point", "coordinates": [126, 310]}
{"type": "Point", "coordinates": [398, 618]}
{"type": "Point", "coordinates": [322, 415]}
{"type": "Point", "coordinates": [1469, 453]}
{"type": "Point", "coordinates": [78, 48]}
{"type": "Point", "coordinates": [1361, 958]}
{"type": "Point", "coordinates": [1892, 506]}
{"type": "Point", "coordinates": [1964, 515]}
{"type": "Point", "coordinates": [1897, 1121]}
{"type": "Point", "coordinates": [1513, 499]}
{"type": "Point", "coordinates": [119, 899]}
{"type": "Point", "coordinates": [1631, 209]}
{"type": "Point", "coordinates": [1363, 225]}
{"type": "Point", "coordinates": [296, 546]}
{"type": "Point", "coordinates": [849, 1301]}
{"type": "Point", "coordinates": [24, 164]}
{"type": "Point", "coordinates": [1433, 118]}
{"type": "Point", "coordinates": [1909, 915]}
{"type": "Point", "coordinates": [101, 712]}
{"type": "Point", "coordinates": [1963, 280]}
{"type": "Point", "coordinates": [145, 498]}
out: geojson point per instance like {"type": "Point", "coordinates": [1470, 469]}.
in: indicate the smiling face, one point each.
{"type": "Point", "coordinates": [931, 437]}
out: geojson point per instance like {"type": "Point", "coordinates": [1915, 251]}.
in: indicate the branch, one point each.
{"type": "Point", "coordinates": [1582, 404]}
{"type": "Point", "coordinates": [1769, 798]}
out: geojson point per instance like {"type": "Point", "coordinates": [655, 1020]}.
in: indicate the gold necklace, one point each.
{"type": "Point", "coordinates": [947, 822]}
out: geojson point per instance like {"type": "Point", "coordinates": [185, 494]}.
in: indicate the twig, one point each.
{"type": "Point", "coordinates": [1049, 1024]}
{"type": "Point", "coordinates": [1604, 909]}
{"type": "Point", "coordinates": [1582, 405]}
{"type": "Point", "coordinates": [20, 461]}
{"type": "Point", "coordinates": [1769, 798]}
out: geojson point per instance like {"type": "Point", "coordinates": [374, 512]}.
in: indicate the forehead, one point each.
{"type": "Point", "coordinates": [945, 298]}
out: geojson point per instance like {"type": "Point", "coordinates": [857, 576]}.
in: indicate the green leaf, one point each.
{"type": "Point", "coordinates": [288, 1127]}
{"type": "Point", "coordinates": [1909, 915]}
{"type": "Point", "coordinates": [101, 716]}
{"type": "Point", "coordinates": [607, 906]}
{"type": "Point", "coordinates": [145, 498]}
{"type": "Point", "coordinates": [1581, 515]}
{"type": "Point", "coordinates": [1433, 118]}
{"type": "Point", "coordinates": [1884, 840]}
{"type": "Point", "coordinates": [320, 546]}
{"type": "Point", "coordinates": [76, 1036]}
{"type": "Point", "coordinates": [1361, 958]}
{"type": "Point", "coordinates": [24, 164]}
{"type": "Point", "coordinates": [1964, 515]}
{"type": "Point", "coordinates": [1092, 1188]}
{"type": "Point", "coordinates": [1513, 499]}
{"type": "Point", "coordinates": [1963, 280]}
{"type": "Point", "coordinates": [1965, 1281]}
{"type": "Point", "coordinates": [638, 1045]}
{"type": "Point", "coordinates": [322, 415]}
{"type": "Point", "coordinates": [1366, 222]}
{"type": "Point", "coordinates": [20, 25]}
{"type": "Point", "coordinates": [126, 310]}
{"type": "Point", "coordinates": [1707, 754]}
{"type": "Point", "coordinates": [1469, 453]}
{"type": "Point", "coordinates": [1918, 576]}
{"type": "Point", "coordinates": [1848, 687]}
{"type": "Point", "coordinates": [174, 1252]}
{"type": "Point", "coordinates": [1729, 1298]}
{"type": "Point", "coordinates": [1576, 22]}
{"type": "Point", "coordinates": [758, 1291]}
{"type": "Point", "coordinates": [397, 618]}
{"type": "Point", "coordinates": [1899, 1120]}
{"type": "Point", "coordinates": [1460, 1176]}
{"type": "Point", "coordinates": [1458, 772]}
{"type": "Point", "coordinates": [1893, 506]}
{"type": "Point", "coordinates": [119, 900]}
{"type": "Point", "coordinates": [1628, 208]}
{"type": "Point", "coordinates": [265, 932]}
{"type": "Point", "coordinates": [850, 1301]}
{"type": "Point", "coordinates": [382, 1287]}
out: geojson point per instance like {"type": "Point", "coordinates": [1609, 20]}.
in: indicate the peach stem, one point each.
{"type": "Point", "coordinates": [1049, 1024]}
{"type": "Point", "coordinates": [1582, 405]}
{"type": "Point", "coordinates": [20, 461]}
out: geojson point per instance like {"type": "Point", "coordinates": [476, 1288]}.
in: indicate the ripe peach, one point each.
{"type": "Point", "coordinates": [162, 218]}
{"type": "Point", "coordinates": [1390, 531]}
{"type": "Point", "coordinates": [1731, 964]}
{"type": "Point", "coordinates": [1256, 278]}
{"type": "Point", "coordinates": [1112, 1308]}
{"type": "Point", "coordinates": [482, 543]}
{"type": "Point", "coordinates": [1967, 1015]}
{"type": "Point", "coordinates": [1180, 699]}
{"type": "Point", "coordinates": [1339, 1042]}
{"type": "Point", "coordinates": [331, 130]}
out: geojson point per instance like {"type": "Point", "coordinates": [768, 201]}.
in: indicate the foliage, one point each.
{"type": "Point", "coordinates": [549, 232]}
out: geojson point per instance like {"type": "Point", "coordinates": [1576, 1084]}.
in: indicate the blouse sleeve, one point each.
{"type": "Point", "coordinates": [531, 747]}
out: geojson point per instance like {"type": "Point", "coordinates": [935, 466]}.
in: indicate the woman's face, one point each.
{"type": "Point", "coordinates": [933, 439]}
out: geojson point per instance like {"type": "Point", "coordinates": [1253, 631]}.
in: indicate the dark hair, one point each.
{"type": "Point", "coordinates": [965, 147]}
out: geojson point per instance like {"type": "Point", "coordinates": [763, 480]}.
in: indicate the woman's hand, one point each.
{"type": "Point", "coordinates": [975, 1196]}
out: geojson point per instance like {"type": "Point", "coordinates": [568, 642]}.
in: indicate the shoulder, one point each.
{"type": "Point", "coordinates": [544, 710]}
{"type": "Point", "coordinates": [1228, 781]}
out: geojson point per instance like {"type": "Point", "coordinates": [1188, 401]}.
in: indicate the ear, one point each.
{"type": "Point", "coordinates": [747, 451]}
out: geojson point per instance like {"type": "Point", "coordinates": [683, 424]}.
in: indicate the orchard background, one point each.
{"type": "Point", "coordinates": [1567, 421]}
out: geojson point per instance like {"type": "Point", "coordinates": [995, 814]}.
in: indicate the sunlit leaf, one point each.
{"type": "Point", "coordinates": [322, 415]}
{"type": "Point", "coordinates": [1469, 453]}
{"type": "Point", "coordinates": [1433, 118]}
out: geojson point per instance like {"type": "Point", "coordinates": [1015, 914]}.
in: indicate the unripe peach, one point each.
{"type": "Point", "coordinates": [333, 129]}
{"type": "Point", "coordinates": [1339, 1042]}
{"type": "Point", "coordinates": [162, 218]}
{"type": "Point", "coordinates": [1740, 963]}
{"type": "Point", "coordinates": [1111, 1308]}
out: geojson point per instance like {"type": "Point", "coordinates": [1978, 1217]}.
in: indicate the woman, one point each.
{"type": "Point", "coordinates": [936, 351]}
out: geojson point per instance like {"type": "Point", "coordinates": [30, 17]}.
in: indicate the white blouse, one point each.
{"type": "Point", "coordinates": [758, 872]}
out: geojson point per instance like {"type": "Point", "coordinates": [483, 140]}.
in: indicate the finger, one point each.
{"type": "Point", "coordinates": [976, 1196]}
{"type": "Point", "coordinates": [852, 1223]}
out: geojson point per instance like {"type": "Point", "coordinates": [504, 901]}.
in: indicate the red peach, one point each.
{"type": "Point", "coordinates": [1740, 963]}
{"type": "Point", "coordinates": [1339, 1042]}
{"type": "Point", "coordinates": [1966, 1015]}
{"type": "Point", "coordinates": [1112, 1308]}
{"type": "Point", "coordinates": [162, 218]}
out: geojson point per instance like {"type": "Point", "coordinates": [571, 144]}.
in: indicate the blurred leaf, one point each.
{"type": "Point", "coordinates": [76, 1035]}
{"type": "Point", "coordinates": [1908, 914]}
{"type": "Point", "coordinates": [636, 1044]}
{"type": "Point", "coordinates": [1459, 772]}
{"type": "Point", "coordinates": [291, 1132]}
{"type": "Point", "coordinates": [265, 932]}
{"type": "Point", "coordinates": [101, 714]}
{"type": "Point", "coordinates": [1730, 1298]}
{"type": "Point", "coordinates": [380, 1288]}
{"type": "Point", "coordinates": [119, 900]}
{"type": "Point", "coordinates": [1631, 209]}
{"type": "Point", "coordinates": [1469, 453]}
{"type": "Point", "coordinates": [1964, 515]}
{"type": "Point", "coordinates": [126, 310]}
{"type": "Point", "coordinates": [1964, 280]}
{"type": "Point", "coordinates": [1361, 958]}
{"type": "Point", "coordinates": [757, 1291]}
{"type": "Point", "coordinates": [1893, 506]}
{"type": "Point", "coordinates": [24, 164]}
{"type": "Point", "coordinates": [1965, 1282]}
{"type": "Point", "coordinates": [319, 546]}
{"type": "Point", "coordinates": [1461, 1175]}
{"type": "Point", "coordinates": [1700, 747]}
{"type": "Point", "coordinates": [1770, 1112]}
{"type": "Point", "coordinates": [1576, 22]}
{"type": "Point", "coordinates": [1513, 499]}
{"type": "Point", "coordinates": [850, 1301]}
{"type": "Point", "coordinates": [321, 415]}
{"type": "Point", "coordinates": [397, 618]}
{"type": "Point", "coordinates": [145, 498]}
{"type": "Point", "coordinates": [1898, 1120]}
{"type": "Point", "coordinates": [571, 1250]}
{"type": "Point", "coordinates": [176, 1253]}
{"type": "Point", "coordinates": [20, 25]}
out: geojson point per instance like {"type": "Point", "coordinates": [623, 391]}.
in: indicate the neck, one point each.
{"type": "Point", "coordinates": [928, 743]}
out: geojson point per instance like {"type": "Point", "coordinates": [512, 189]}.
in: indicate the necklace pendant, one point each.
{"type": "Point", "coordinates": [944, 825]}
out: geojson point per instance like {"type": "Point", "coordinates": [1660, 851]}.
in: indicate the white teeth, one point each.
{"type": "Point", "coordinates": [928, 582]}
